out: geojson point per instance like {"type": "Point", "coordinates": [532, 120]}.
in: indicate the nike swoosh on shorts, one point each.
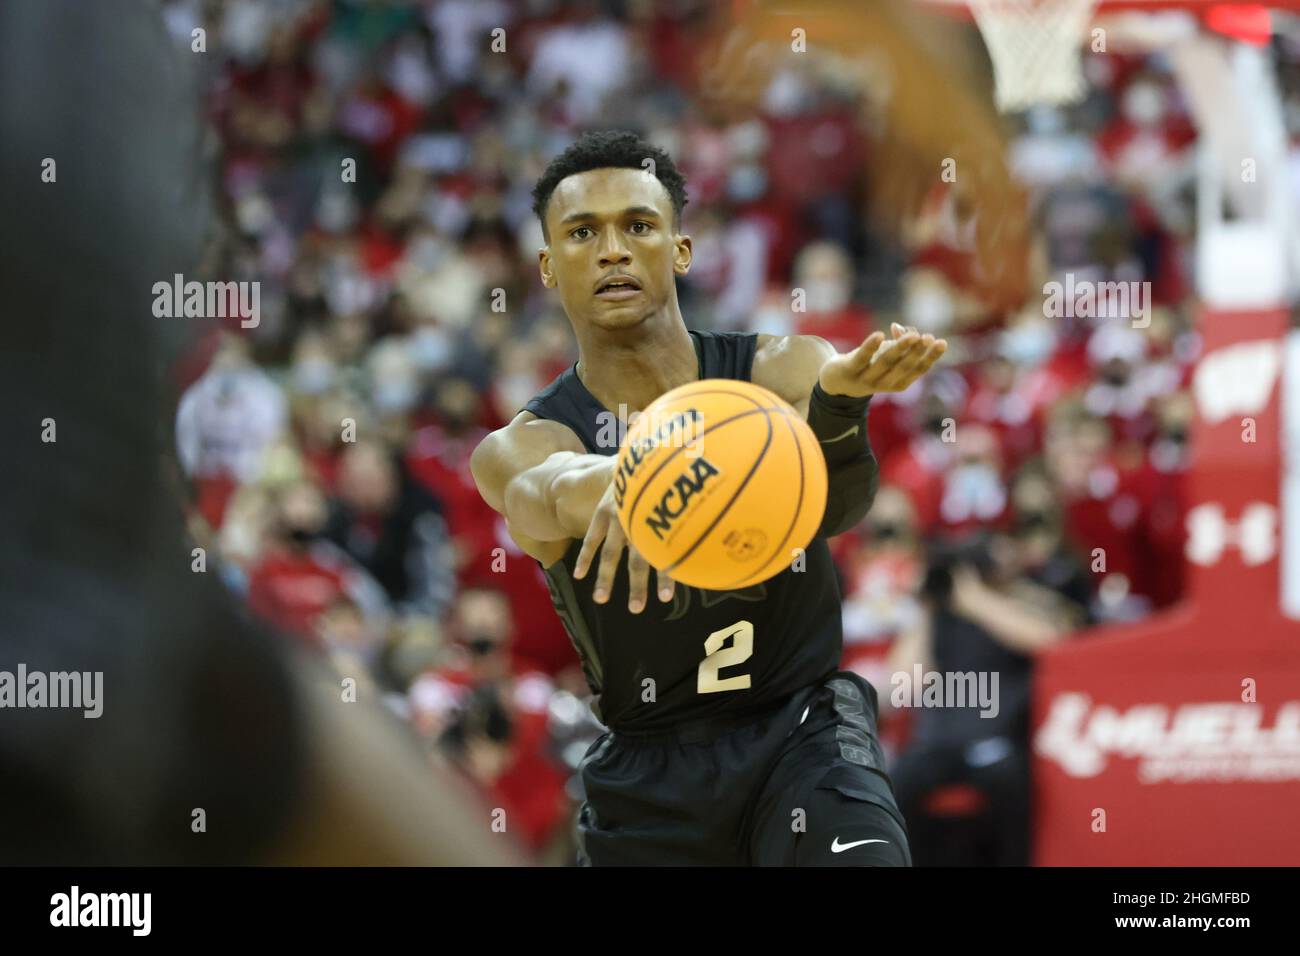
{"type": "Point", "coordinates": [838, 847]}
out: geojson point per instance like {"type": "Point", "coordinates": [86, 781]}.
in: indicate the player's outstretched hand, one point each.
{"type": "Point", "coordinates": [882, 365]}
{"type": "Point", "coordinates": [605, 528]}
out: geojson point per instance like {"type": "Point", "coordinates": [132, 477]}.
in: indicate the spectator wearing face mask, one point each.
{"type": "Point", "coordinates": [1148, 135]}
{"type": "Point", "coordinates": [318, 425]}
{"type": "Point", "coordinates": [1037, 548]}
{"type": "Point", "coordinates": [730, 265]}
{"type": "Point", "coordinates": [1162, 489]}
{"type": "Point", "coordinates": [497, 731]}
{"type": "Point", "coordinates": [919, 465]}
{"type": "Point", "coordinates": [394, 529]}
{"type": "Point", "coordinates": [929, 302]}
{"type": "Point", "coordinates": [998, 404]}
{"type": "Point", "coordinates": [1101, 506]}
{"type": "Point", "coordinates": [824, 271]}
{"type": "Point", "coordinates": [437, 458]}
{"type": "Point", "coordinates": [394, 384]}
{"type": "Point", "coordinates": [482, 626]}
{"type": "Point", "coordinates": [225, 423]}
{"type": "Point", "coordinates": [882, 575]}
{"type": "Point", "coordinates": [300, 575]}
{"type": "Point", "coordinates": [974, 493]}
{"type": "Point", "coordinates": [991, 604]}
{"type": "Point", "coordinates": [1126, 382]}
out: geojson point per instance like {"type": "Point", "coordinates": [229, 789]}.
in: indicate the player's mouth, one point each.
{"type": "Point", "coordinates": [618, 287]}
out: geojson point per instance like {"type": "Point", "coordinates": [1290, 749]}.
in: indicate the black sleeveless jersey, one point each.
{"type": "Point", "coordinates": [705, 653]}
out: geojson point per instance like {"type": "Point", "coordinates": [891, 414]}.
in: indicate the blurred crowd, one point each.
{"type": "Point", "coordinates": [376, 164]}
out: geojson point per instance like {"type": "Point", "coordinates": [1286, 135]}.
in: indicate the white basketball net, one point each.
{"type": "Point", "coordinates": [1035, 48]}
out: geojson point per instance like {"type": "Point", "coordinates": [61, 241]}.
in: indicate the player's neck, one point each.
{"type": "Point", "coordinates": [634, 372]}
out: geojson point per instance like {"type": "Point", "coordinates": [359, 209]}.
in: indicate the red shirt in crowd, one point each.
{"type": "Point", "coordinates": [292, 589]}
{"type": "Point", "coordinates": [489, 556]}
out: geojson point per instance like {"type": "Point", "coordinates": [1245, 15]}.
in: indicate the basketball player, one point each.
{"type": "Point", "coordinates": [785, 770]}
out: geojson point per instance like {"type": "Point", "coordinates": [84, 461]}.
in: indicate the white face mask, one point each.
{"type": "Point", "coordinates": [1144, 104]}
{"type": "Point", "coordinates": [825, 295]}
{"type": "Point", "coordinates": [395, 396]}
{"type": "Point", "coordinates": [425, 253]}
{"type": "Point", "coordinates": [313, 375]}
{"type": "Point", "coordinates": [430, 348]}
{"type": "Point", "coordinates": [409, 75]}
{"type": "Point", "coordinates": [973, 490]}
{"type": "Point", "coordinates": [785, 95]}
{"type": "Point", "coordinates": [337, 212]}
{"type": "Point", "coordinates": [1029, 344]}
{"type": "Point", "coordinates": [929, 310]}
{"type": "Point", "coordinates": [746, 183]}
{"type": "Point", "coordinates": [347, 291]}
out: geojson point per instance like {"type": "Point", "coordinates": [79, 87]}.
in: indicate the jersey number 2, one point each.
{"type": "Point", "coordinates": [718, 657]}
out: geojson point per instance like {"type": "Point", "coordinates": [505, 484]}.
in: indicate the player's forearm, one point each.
{"type": "Point", "coordinates": [555, 500]}
{"type": "Point", "coordinates": [840, 424]}
{"type": "Point", "coordinates": [914, 645]}
{"type": "Point", "coordinates": [1007, 620]}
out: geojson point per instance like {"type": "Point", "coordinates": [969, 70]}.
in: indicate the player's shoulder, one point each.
{"type": "Point", "coordinates": [527, 429]}
{"type": "Point", "coordinates": [789, 364]}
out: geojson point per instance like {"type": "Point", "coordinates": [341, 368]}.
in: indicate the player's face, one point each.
{"type": "Point", "coordinates": [613, 222]}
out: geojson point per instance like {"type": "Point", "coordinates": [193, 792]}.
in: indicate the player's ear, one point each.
{"type": "Point", "coordinates": [544, 266]}
{"type": "Point", "coordinates": [682, 254]}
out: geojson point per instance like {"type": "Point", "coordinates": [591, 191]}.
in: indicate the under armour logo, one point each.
{"type": "Point", "coordinates": [1254, 534]}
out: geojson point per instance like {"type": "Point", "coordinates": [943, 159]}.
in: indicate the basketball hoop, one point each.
{"type": "Point", "coordinates": [1035, 49]}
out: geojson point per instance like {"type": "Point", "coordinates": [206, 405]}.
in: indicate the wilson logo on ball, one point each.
{"type": "Point", "coordinates": [675, 431]}
{"type": "Point", "coordinates": [676, 499]}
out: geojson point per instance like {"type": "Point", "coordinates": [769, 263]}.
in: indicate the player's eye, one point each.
{"type": "Point", "coordinates": [580, 229]}
{"type": "Point", "coordinates": [641, 222]}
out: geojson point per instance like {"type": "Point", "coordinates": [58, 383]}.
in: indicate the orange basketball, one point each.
{"type": "Point", "coordinates": [721, 484]}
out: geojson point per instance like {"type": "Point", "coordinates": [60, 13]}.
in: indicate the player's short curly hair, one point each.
{"type": "Point", "coordinates": [604, 149]}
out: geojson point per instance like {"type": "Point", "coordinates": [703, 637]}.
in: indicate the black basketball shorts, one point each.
{"type": "Point", "coordinates": [800, 785]}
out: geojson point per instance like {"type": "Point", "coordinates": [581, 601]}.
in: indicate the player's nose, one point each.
{"type": "Point", "coordinates": [613, 252]}
{"type": "Point", "coordinates": [615, 258]}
